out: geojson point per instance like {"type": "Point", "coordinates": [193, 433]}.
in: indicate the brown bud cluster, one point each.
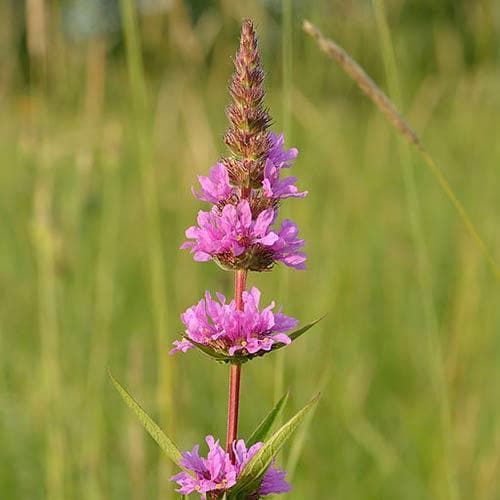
{"type": "Point", "coordinates": [258, 258]}
{"type": "Point", "coordinates": [257, 200]}
{"type": "Point", "coordinates": [247, 136]}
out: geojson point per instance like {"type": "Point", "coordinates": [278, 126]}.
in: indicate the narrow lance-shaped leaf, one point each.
{"type": "Point", "coordinates": [300, 436]}
{"type": "Point", "coordinates": [297, 443]}
{"type": "Point", "coordinates": [264, 429]}
{"type": "Point", "coordinates": [153, 429]}
{"type": "Point", "coordinates": [252, 473]}
{"type": "Point", "coordinates": [298, 333]}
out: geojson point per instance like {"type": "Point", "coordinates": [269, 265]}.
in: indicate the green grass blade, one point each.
{"type": "Point", "coordinates": [254, 470]}
{"type": "Point", "coordinates": [264, 429]}
{"type": "Point", "coordinates": [425, 284]}
{"type": "Point", "coordinates": [158, 274]}
{"type": "Point", "coordinates": [154, 431]}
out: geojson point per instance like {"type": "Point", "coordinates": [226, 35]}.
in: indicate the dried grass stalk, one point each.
{"type": "Point", "coordinates": [385, 105]}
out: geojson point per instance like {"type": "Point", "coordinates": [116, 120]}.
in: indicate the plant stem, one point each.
{"type": "Point", "coordinates": [233, 407]}
{"type": "Point", "coordinates": [240, 279]}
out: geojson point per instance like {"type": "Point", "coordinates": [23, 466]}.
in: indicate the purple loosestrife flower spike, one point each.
{"type": "Point", "coordinates": [246, 189]}
{"type": "Point", "coordinates": [216, 473]}
{"type": "Point", "coordinates": [240, 232]}
{"type": "Point", "coordinates": [229, 331]}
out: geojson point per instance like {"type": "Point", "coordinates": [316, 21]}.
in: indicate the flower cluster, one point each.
{"type": "Point", "coordinates": [230, 331]}
{"type": "Point", "coordinates": [238, 232]}
{"type": "Point", "coordinates": [241, 232]}
{"type": "Point", "coordinates": [235, 240]}
{"type": "Point", "coordinates": [246, 188]}
{"type": "Point", "coordinates": [217, 473]}
{"type": "Point", "coordinates": [216, 188]}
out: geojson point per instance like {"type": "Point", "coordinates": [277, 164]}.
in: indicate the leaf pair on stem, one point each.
{"type": "Point", "coordinates": [251, 475]}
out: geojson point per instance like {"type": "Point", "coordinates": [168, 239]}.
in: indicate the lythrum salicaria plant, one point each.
{"type": "Point", "coordinates": [240, 232]}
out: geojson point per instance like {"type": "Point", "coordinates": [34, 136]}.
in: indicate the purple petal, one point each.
{"type": "Point", "coordinates": [187, 483]}
{"type": "Point", "coordinates": [253, 297]}
{"type": "Point", "coordinates": [202, 256]}
{"type": "Point", "coordinates": [252, 329]}
{"type": "Point", "coordinates": [263, 221]}
{"type": "Point", "coordinates": [245, 213]}
{"type": "Point", "coordinates": [283, 323]}
{"type": "Point", "coordinates": [282, 337]}
{"type": "Point", "coordinates": [192, 460]}
{"type": "Point", "coordinates": [181, 346]}
{"type": "Point", "coordinates": [269, 240]}
{"type": "Point", "coordinates": [215, 188]}
{"type": "Point", "coordinates": [274, 482]}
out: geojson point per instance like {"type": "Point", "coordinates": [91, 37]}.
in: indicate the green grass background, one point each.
{"type": "Point", "coordinates": [98, 158]}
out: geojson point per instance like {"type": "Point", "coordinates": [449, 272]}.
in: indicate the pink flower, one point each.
{"type": "Point", "coordinates": [273, 186]}
{"type": "Point", "coordinates": [217, 473]}
{"type": "Point", "coordinates": [286, 247]}
{"type": "Point", "coordinates": [237, 241]}
{"type": "Point", "coordinates": [215, 188]}
{"type": "Point", "coordinates": [214, 473]}
{"type": "Point", "coordinates": [222, 326]}
{"type": "Point", "coordinates": [273, 481]}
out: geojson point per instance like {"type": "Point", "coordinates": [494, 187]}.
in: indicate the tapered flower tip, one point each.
{"type": "Point", "coordinates": [247, 33]}
{"type": "Point", "coordinates": [247, 53]}
{"type": "Point", "coordinates": [247, 136]}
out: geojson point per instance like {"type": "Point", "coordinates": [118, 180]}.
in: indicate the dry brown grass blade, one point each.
{"type": "Point", "coordinates": [385, 105]}
{"type": "Point", "coordinates": [367, 85]}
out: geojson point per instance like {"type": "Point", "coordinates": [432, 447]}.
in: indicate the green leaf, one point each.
{"type": "Point", "coordinates": [300, 437]}
{"type": "Point", "coordinates": [298, 333]}
{"type": "Point", "coordinates": [154, 431]}
{"type": "Point", "coordinates": [253, 471]}
{"type": "Point", "coordinates": [264, 429]}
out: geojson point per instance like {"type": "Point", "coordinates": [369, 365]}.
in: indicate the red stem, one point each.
{"type": "Point", "coordinates": [235, 373]}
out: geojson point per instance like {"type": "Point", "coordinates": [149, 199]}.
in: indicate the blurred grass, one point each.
{"type": "Point", "coordinates": [76, 250]}
{"type": "Point", "coordinates": [413, 201]}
